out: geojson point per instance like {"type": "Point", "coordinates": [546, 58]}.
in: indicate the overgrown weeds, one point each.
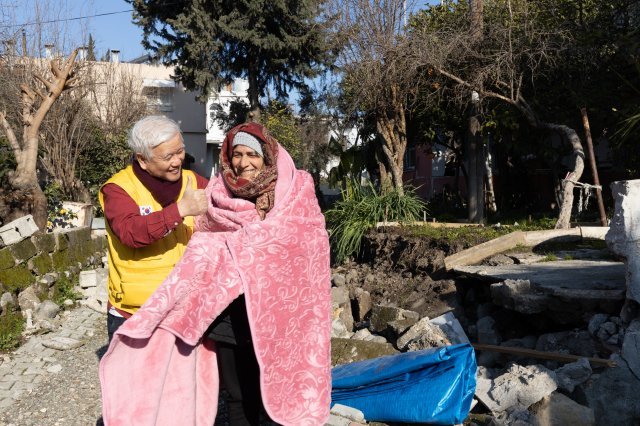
{"type": "Point", "coordinates": [361, 208]}
{"type": "Point", "coordinates": [63, 289]}
{"type": "Point", "coordinates": [11, 327]}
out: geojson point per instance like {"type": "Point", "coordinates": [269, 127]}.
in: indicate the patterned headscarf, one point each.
{"type": "Point", "coordinates": [261, 189]}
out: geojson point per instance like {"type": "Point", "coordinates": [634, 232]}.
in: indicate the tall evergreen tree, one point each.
{"type": "Point", "coordinates": [274, 43]}
{"type": "Point", "coordinates": [91, 49]}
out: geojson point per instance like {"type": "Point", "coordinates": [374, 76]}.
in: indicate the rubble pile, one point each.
{"type": "Point", "coordinates": [560, 348]}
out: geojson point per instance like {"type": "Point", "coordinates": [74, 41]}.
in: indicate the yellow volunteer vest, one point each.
{"type": "Point", "coordinates": [135, 273]}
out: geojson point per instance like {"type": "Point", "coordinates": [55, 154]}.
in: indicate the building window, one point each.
{"type": "Point", "coordinates": [159, 99]}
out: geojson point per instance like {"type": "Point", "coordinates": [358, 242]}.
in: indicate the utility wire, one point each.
{"type": "Point", "coordinates": [26, 24]}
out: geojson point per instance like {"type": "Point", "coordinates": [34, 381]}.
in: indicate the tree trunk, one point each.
{"type": "Point", "coordinates": [475, 171]}
{"type": "Point", "coordinates": [392, 127]}
{"type": "Point", "coordinates": [26, 196]}
{"type": "Point", "coordinates": [253, 94]}
{"type": "Point", "coordinates": [564, 217]}
{"type": "Point", "coordinates": [570, 135]}
{"type": "Point", "coordinates": [491, 195]}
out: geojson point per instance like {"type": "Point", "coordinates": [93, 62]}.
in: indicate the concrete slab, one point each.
{"type": "Point", "coordinates": [588, 276]}
{"type": "Point", "coordinates": [565, 290]}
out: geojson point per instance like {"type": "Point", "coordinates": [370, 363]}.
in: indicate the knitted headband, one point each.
{"type": "Point", "coordinates": [242, 138]}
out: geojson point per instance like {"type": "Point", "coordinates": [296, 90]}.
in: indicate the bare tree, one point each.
{"type": "Point", "coordinates": [513, 51]}
{"type": "Point", "coordinates": [379, 77]}
{"type": "Point", "coordinates": [37, 95]}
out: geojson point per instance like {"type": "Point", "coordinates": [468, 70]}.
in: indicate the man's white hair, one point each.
{"type": "Point", "coordinates": [150, 132]}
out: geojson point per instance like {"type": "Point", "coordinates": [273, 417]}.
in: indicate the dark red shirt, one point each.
{"type": "Point", "coordinates": [133, 229]}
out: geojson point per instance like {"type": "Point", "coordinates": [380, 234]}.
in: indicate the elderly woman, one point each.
{"type": "Point", "coordinates": [254, 279]}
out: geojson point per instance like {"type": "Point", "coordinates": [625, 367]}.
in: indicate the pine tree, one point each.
{"type": "Point", "coordinates": [275, 43]}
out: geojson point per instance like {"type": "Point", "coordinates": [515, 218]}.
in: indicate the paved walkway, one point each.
{"type": "Point", "coordinates": [35, 370]}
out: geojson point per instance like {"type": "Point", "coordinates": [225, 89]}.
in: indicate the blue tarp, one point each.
{"type": "Point", "coordinates": [429, 386]}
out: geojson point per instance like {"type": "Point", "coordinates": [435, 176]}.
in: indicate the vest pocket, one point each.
{"type": "Point", "coordinates": [134, 294]}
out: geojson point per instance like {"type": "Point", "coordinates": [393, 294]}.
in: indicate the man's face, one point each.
{"type": "Point", "coordinates": [166, 160]}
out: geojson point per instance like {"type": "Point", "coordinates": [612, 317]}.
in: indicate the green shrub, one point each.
{"type": "Point", "coordinates": [361, 208]}
{"type": "Point", "coordinates": [11, 326]}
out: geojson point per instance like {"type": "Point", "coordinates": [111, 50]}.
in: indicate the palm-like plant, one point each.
{"type": "Point", "coordinates": [361, 208]}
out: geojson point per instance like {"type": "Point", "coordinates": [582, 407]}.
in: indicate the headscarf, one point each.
{"type": "Point", "coordinates": [260, 190]}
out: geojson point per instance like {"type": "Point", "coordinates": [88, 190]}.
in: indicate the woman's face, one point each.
{"type": "Point", "coordinates": [246, 162]}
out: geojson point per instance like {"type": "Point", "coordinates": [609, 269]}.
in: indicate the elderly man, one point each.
{"type": "Point", "coordinates": [149, 208]}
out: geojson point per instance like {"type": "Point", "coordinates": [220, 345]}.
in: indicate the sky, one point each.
{"type": "Point", "coordinates": [108, 21]}
{"type": "Point", "coordinates": [71, 21]}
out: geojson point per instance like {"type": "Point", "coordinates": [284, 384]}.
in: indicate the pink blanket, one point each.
{"type": "Point", "coordinates": [158, 372]}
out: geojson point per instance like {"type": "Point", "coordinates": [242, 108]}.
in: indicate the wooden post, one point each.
{"type": "Point", "coordinates": [592, 162]}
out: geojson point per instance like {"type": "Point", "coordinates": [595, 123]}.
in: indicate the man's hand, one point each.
{"type": "Point", "coordinates": [193, 201]}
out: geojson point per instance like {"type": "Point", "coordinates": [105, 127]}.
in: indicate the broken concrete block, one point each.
{"type": "Point", "coordinates": [345, 351]}
{"type": "Point", "coordinates": [571, 375]}
{"type": "Point", "coordinates": [339, 329]}
{"type": "Point", "coordinates": [390, 321]}
{"type": "Point", "coordinates": [362, 305]}
{"type": "Point", "coordinates": [631, 347]}
{"type": "Point", "coordinates": [595, 322]}
{"type": "Point", "coordinates": [88, 279]}
{"type": "Point", "coordinates": [624, 232]}
{"type": "Point", "coordinates": [429, 336]}
{"type": "Point", "coordinates": [578, 342]}
{"type": "Point", "coordinates": [365, 334]}
{"type": "Point", "coordinates": [17, 230]}
{"type": "Point", "coordinates": [62, 343]}
{"type": "Point", "coordinates": [335, 420]}
{"type": "Point", "coordinates": [519, 386]}
{"type": "Point", "coordinates": [451, 327]}
{"type": "Point", "coordinates": [341, 305]}
{"type": "Point", "coordinates": [557, 409]}
{"type": "Point", "coordinates": [47, 310]}
{"type": "Point", "coordinates": [613, 395]}
{"type": "Point", "coordinates": [348, 412]}
{"type": "Point", "coordinates": [338, 280]}
{"type": "Point", "coordinates": [487, 332]}
{"type": "Point", "coordinates": [519, 295]}
{"type": "Point", "coordinates": [28, 299]}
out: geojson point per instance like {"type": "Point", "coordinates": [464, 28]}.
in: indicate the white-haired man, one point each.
{"type": "Point", "coordinates": [149, 208]}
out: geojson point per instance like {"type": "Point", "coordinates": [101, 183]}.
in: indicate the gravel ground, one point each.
{"type": "Point", "coordinates": [68, 398]}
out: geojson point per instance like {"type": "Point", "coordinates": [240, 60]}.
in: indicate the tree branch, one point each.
{"type": "Point", "coordinates": [44, 81]}
{"type": "Point", "coordinates": [11, 136]}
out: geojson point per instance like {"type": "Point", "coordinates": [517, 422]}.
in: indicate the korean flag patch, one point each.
{"type": "Point", "coordinates": [145, 210]}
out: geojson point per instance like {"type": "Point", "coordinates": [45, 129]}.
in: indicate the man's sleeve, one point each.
{"type": "Point", "coordinates": [132, 228]}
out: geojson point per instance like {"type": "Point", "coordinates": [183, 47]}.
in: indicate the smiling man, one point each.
{"type": "Point", "coordinates": [149, 208]}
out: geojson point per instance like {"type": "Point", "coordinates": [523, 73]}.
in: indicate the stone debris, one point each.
{"type": "Point", "coordinates": [573, 374]}
{"type": "Point", "coordinates": [346, 412]}
{"type": "Point", "coordinates": [624, 232]}
{"type": "Point", "coordinates": [519, 386]}
{"type": "Point", "coordinates": [62, 343]}
{"type": "Point", "coordinates": [631, 347]}
{"type": "Point", "coordinates": [54, 369]}
{"type": "Point", "coordinates": [18, 230]}
{"type": "Point", "coordinates": [558, 409]}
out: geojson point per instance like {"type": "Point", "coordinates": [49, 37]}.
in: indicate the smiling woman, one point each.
{"type": "Point", "coordinates": [247, 159]}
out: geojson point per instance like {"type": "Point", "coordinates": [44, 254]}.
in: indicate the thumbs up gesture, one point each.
{"type": "Point", "coordinates": [193, 201]}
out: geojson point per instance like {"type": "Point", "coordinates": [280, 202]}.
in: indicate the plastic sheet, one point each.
{"type": "Point", "coordinates": [429, 386]}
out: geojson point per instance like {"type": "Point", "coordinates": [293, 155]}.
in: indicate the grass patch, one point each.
{"type": "Point", "coordinates": [63, 289]}
{"type": "Point", "coordinates": [11, 327]}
